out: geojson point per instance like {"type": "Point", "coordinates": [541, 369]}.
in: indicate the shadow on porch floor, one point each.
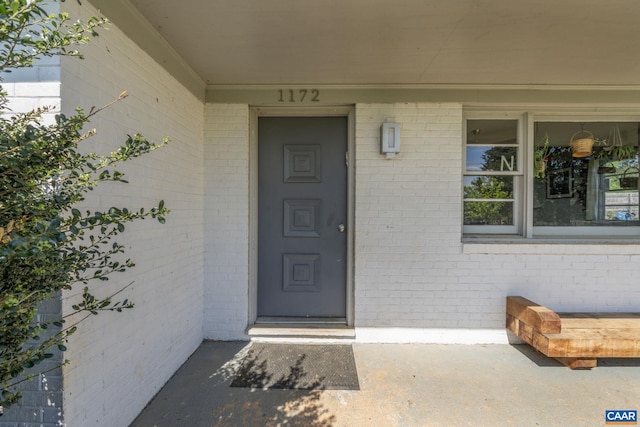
{"type": "Point", "coordinates": [402, 385]}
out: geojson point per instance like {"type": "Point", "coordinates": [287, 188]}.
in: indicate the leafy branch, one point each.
{"type": "Point", "coordinates": [47, 244]}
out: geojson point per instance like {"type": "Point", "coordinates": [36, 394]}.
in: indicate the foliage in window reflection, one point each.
{"type": "Point", "coordinates": [489, 213]}
{"type": "Point", "coordinates": [500, 159]}
{"type": "Point", "coordinates": [489, 187]}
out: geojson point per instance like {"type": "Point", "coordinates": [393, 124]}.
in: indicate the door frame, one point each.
{"type": "Point", "coordinates": [323, 111]}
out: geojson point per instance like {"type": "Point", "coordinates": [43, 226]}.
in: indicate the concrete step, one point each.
{"type": "Point", "coordinates": [307, 332]}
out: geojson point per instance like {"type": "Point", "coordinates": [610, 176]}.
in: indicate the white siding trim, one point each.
{"type": "Point", "coordinates": [431, 336]}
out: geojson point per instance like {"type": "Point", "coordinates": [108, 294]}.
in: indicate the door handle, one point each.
{"type": "Point", "coordinates": [341, 228]}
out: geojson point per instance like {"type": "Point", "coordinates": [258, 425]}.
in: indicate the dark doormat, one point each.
{"type": "Point", "coordinates": [301, 367]}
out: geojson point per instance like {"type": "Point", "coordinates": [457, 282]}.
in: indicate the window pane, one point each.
{"type": "Point", "coordinates": [488, 187]}
{"type": "Point", "coordinates": [488, 213]}
{"type": "Point", "coordinates": [492, 159]}
{"type": "Point", "coordinates": [620, 201]}
{"type": "Point", "coordinates": [492, 132]}
{"type": "Point", "coordinates": [599, 188]}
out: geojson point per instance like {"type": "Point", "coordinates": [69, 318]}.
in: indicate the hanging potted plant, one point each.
{"type": "Point", "coordinates": [623, 152]}
{"type": "Point", "coordinates": [614, 149]}
{"type": "Point", "coordinates": [541, 157]}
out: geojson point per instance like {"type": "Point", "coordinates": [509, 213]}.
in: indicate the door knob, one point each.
{"type": "Point", "coordinates": [341, 228]}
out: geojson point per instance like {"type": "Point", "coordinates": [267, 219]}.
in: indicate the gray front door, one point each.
{"type": "Point", "coordinates": [302, 215]}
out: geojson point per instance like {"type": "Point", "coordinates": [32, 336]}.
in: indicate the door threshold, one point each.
{"type": "Point", "coordinates": [302, 320]}
{"type": "Point", "coordinates": [305, 329]}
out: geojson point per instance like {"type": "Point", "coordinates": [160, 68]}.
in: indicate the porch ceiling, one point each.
{"type": "Point", "coordinates": [575, 42]}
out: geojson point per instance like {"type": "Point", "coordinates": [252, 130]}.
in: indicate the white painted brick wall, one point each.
{"type": "Point", "coordinates": [407, 215]}
{"type": "Point", "coordinates": [227, 221]}
{"type": "Point", "coordinates": [416, 281]}
{"type": "Point", "coordinates": [44, 69]}
{"type": "Point", "coordinates": [119, 361]}
{"type": "Point", "coordinates": [27, 96]}
{"type": "Point", "coordinates": [414, 278]}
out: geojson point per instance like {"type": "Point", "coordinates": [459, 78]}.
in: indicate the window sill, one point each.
{"type": "Point", "coordinates": [548, 245]}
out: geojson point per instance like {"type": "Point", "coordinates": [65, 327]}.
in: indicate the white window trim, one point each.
{"type": "Point", "coordinates": [523, 230]}
{"type": "Point", "coordinates": [518, 177]}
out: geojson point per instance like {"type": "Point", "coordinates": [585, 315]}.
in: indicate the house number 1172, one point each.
{"type": "Point", "coordinates": [298, 95]}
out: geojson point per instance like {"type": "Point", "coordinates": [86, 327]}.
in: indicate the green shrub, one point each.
{"type": "Point", "coordinates": [46, 243]}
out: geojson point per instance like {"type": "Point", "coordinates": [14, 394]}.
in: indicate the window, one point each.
{"type": "Point", "coordinates": [561, 178]}
{"type": "Point", "coordinates": [491, 177]}
{"type": "Point", "coordinates": [595, 187]}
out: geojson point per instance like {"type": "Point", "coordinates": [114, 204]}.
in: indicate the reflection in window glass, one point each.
{"type": "Point", "coordinates": [492, 132]}
{"type": "Point", "coordinates": [492, 159]}
{"type": "Point", "coordinates": [619, 198]}
{"type": "Point", "coordinates": [492, 154]}
{"type": "Point", "coordinates": [488, 213]}
{"type": "Point", "coordinates": [488, 187]}
{"type": "Point", "coordinates": [594, 187]}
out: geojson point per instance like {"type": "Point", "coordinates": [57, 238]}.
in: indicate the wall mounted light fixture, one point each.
{"type": "Point", "coordinates": [390, 139]}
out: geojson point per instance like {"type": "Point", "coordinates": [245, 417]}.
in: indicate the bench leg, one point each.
{"type": "Point", "coordinates": [578, 363]}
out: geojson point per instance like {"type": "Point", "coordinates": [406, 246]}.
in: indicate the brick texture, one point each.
{"type": "Point", "coordinates": [118, 361]}
{"type": "Point", "coordinates": [407, 216]}
{"type": "Point", "coordinates": [41, 402]}
{"type": "Point", "coordinates": [227, 221]}
{"type": "Point", "coordinates": [415, 280]}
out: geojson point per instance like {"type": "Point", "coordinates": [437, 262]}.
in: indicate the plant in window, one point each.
{"type": "Point", "coordinates": [613, 148]}
{"type": "Point", "coordinates": [541, 157]}
{"type": "Point", "coordinates": [623, 152]}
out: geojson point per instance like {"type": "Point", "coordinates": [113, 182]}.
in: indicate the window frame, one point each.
{"type": "Point", "coordinates": [518, 176]}
{"type": "Point", "coordinates": [524, 180]}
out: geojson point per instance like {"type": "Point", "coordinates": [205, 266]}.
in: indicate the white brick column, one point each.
{"type": "Point", "coordinates": [226, 221]}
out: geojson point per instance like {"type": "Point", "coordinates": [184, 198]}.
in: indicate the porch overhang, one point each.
{"type": "Point", "coordinates": [207, 43]}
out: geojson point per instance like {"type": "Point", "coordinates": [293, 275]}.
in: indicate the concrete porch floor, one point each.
{"type": "Point", "coordinates": [404, 385]}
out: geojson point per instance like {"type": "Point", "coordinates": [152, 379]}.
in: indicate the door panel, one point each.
{"type": "Point", "coordinates": [302, 209]}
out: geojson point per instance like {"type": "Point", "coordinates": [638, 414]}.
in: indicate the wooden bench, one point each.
{"type": "Point", "coordinates": [575, 339]}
